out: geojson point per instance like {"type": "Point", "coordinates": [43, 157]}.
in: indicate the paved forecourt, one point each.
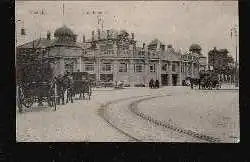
{"type": "Point", "coordinates": [213, 113]}
{"type": "Point", "coordinates": [80, 121]}
{"type": "Point", "coordinates": [74, 122]}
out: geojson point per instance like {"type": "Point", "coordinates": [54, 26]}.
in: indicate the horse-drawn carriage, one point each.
{"type": "Point", "coordinates": [82, 84]}
{"type": "Point", "coordinates": [34, 84]}
{"type": "Point", "coordinates": [209, 80]}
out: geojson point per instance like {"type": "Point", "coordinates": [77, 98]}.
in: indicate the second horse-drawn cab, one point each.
{"type": "Point", "coordinates": [209, 80]}
{"type": "Point", "coordinates": [82, 84]}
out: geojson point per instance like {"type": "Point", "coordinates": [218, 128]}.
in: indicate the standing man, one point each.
{"type": "Point", "coordinates": [157, 84]}
{"type": "Point", "coordinates": [191, 83]}
{"type": "Point", "coordinates": [151, 82]}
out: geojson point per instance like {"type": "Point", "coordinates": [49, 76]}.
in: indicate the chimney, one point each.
{"type": "Point", "coordinates": [170, 46]}
{"type": "Point", "coordinates": [83, 38]}
{"type": "Point", "coordinates": [108, 34]}
{"type": "Point", "coordinates": [133, 35]}
{"type": "Point", "coordinates": [48, 35]}
{"type": "Point", "coordinates": [93, 35]}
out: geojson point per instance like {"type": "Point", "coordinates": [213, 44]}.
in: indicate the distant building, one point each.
{"type": "Point", "coordinates": [193, 62]}
{"type": "Point", "coordinates": [190, 66]}
{"type": "Point", "coordinates": [112, 55]}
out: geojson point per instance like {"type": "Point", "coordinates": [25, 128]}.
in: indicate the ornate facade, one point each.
{"type": "Point", "coordinates": [112, 56]}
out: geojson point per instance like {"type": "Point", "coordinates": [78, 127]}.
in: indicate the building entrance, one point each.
{"type": "Point", "coordinates": [164, 79]}
{"type": "Point", "coordinates": [174, 79]}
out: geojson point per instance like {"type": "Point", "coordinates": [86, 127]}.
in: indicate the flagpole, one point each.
{"type": "Point", "coordinates": [234, 33]}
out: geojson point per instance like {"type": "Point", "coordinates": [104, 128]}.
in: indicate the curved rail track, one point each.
{"type": "Point", "coordinates": [103, 113]}
{"type": "Point", "coordinates": [133, 108]}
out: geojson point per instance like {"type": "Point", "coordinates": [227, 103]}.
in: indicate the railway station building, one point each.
{"type": "Point", "coordinates": [111, 56]}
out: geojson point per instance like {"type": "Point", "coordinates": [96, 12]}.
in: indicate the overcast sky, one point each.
{"type": "Point", "coordinates": [178, 23]}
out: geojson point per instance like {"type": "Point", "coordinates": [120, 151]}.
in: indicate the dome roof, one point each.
{"type": "Point", "coordinates": [63, 31]}
{"type": "Point", "coordinates": [194, 47]}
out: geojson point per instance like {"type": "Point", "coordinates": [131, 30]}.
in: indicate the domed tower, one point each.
{"type": "Point", "coordinates": [64, 34]}
{"type": "Point", "coordinates": [66, 46]}
{"type": "Point", "coordinates": [195, 48]}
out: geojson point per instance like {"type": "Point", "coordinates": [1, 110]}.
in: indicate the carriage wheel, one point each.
{"type": "Point", "coordinates": [28, 101]}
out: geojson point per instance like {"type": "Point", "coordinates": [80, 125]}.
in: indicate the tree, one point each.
{"type": "Point", "coordinates": [221, 61]}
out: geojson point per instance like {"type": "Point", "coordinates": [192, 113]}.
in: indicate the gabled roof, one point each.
{"type": "Point", "coordinates": [171, 56]}
{"type": "Point", "coordinates": [38, 43]}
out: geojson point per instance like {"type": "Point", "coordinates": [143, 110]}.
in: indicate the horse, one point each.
{"type": "Point", "coordinates": [64, 85]}
{"type": "Point", "coordinates": [195, 82]}
{"type": "Point", "coordinates": [78, 88]}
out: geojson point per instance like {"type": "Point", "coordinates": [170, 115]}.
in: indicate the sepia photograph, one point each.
{"type": "Point", "coordinates": [128, 71]}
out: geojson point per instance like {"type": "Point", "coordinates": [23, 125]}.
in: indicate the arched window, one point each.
{"type": "Point", "coordinates": [165, 67]}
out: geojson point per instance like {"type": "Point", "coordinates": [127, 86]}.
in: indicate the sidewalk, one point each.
{"type": "Point", "coordinates": [229, 86]}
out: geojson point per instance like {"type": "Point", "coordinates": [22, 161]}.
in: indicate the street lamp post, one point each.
{"type": "Point", "coordinates": [236, 79]}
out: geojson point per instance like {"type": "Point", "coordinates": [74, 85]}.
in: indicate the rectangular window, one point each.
{"type": "Point", "coordinates": [138, 68]}
{"type": "Point", "coordinates": [106, 67]}
{"type": "Point", "coordinates": [152, 68]}
{"type": "Point", "coordinates": [103, 49]}
{"type": "Point", "coordinates": [110, 49]}
{"type": "Point", "coordinates": [123, 67]}
{"type": "Point", "coordinates": [174, 67]}
{"type": "Point", "coordinates": [89, 67]}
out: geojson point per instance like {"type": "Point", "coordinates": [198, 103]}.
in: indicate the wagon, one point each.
{"type": "Point", "coordinates": [36, 92]}
{"type": "Point", "coordinates": [34, 81]}
{"type": "Point", "coordinates": [82, 84]}
{"type": "Point", "coordinates": [209, 80]}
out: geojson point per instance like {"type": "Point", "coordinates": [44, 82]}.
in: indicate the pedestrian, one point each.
{"type": "Point", "coordinates": [151, 83]}
{"type": "Point", "coordinates": [191, 83]}
{"type": "Point", "coordinates": [157, 84]}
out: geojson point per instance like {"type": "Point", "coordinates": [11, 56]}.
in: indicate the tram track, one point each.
{"type": "Point", "coordinates": [134, 108]}
{"type": "Point", "coordinates": [102, 111]}
{"type": "Point", "coordinates": [163, 132]}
